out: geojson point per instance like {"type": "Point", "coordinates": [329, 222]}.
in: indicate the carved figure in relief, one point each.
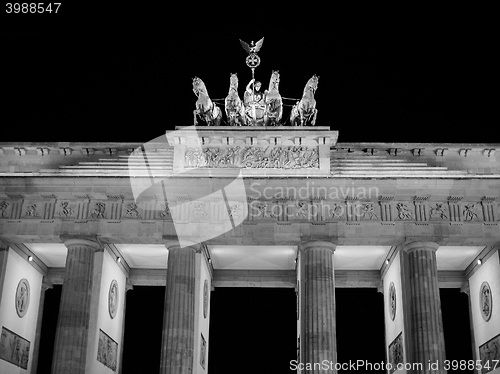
{"type": "Point", "coordinates": [486, 301]}
{"type": "Point", "coordinates": [266, 211]}
{"type": "Point", "coordinates": [102, 352]}
{"type": "Point", "coordinates": [111, 356]}
{"type": "Point", "coordinates": [489, 353]}
{"type": "Point", "coordinates": [212, 156]}
{"type": "Point", "coordinates": [194, 158]}
{"type": "Point", "coordinates": [65, 210]}
{"type": "Point", "coordinates": [438, 211]}
{"type": "Point", "coordinates": [17, 353]}
{"type": "Point", "coordinates": [3, 208]}
{"type": "Point", "coordinates": [273, 101]}
{"type": "Point", "coordinates": [31, 211]}
{"type": "Point", "coordinates": [337, 211]}
{"type": "Point", "coordinates": [369, 210]}
{"type": "Point", "coordinates": [21, 299]}
{"type": "Point", "coordinates": [470, 212]}
{"type": "Point", "coordinates": [132, 210]}
{"type": "Point", "coordinates": [252, 157]}
{"type": "Point", "coordinates": [99, 210]}
{"type": "Point", "coordinates": [302, 209]}
{"type": "Point", "coordinates": [165, 212]}
{"type": "Point", "coordinates": [396, 355]}
{"type": "Point", "coordinates": [206, 109]}
{"type": "Point", "coordinates": [304, 112]}
{"type": "Point", "coordinates": [200, 211]}
{"type": "Point", "coordinates": [235, 110]}
{"type": "Point", "coordinates": [235, 211]}
{"type": "Point", "coordinates": [403, 211]}
{"type": "Point", "coordinates": [113, 298]}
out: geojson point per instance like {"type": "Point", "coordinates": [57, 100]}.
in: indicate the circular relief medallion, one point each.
{"type": "Point", "coordinates": [392, 301]}
{"type": "Point", "coordinates": [485, 301]}
{"type": "Point", "coordinates": [113, 298]}
{"type": "Point", "coordinates": [205, 299]}
{"type": "Point", "coordinates": [22, 297]}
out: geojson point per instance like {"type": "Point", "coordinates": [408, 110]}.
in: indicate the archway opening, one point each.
{"type": "Point", "coordinates": [252, 330]}
{"type": "Point", "coordinates": [360, 328]}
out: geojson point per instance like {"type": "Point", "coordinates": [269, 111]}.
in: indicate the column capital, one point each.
{"type": "Point", "coordinates": [465, 288]}
{"type": "Point", "coordinates": [3, 246]}
{"type": "Point", "coordinates": [46, 284]}
{"type": "Point", "coordinates": [173, 243]}
{"type": "Point", "coordinates": [128, 285]}
{"type": "Point", "coordinates": [91, 242]}
{"type": "Point", "coordinates": [304, 246]}
{"type": "Point", "coordinates": [412, 246]}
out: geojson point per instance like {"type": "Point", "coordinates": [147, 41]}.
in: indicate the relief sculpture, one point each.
{"type": "Point", "coordinates": [485, 302]}
{"type": "Point", "coordinates": [14, 348]}
{"type": "Point", "coordinates": [292, 157]}
{"type": "Point", "coordinates": [396, 353]}
{"type": "Point", "coordinates": [489, 354]}
{"type": "Point", "coordinates": [22, 297]}
{"type": "Point", "coordinates": [3, 209]}
{"type": "Point", "coordinates": [107, 351]}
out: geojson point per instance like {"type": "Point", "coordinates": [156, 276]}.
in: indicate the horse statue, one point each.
{"type": "Point", "coordinates": [235, 111]}
{"type": "Point", "coordinates": [273, 102]}
{"type": "Point", "coordinates": [304, 111]}
{"type": "Point", "coordinates": [206, 110]}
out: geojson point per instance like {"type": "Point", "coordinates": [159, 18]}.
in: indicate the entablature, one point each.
{"type": "Point", "coordinates": [255, 151]}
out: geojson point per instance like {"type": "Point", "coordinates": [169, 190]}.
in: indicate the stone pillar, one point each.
{"type": "Point", "coordinates": [45, 286]}
{"type": "Point", "coordinates": [318, 338]}
{"type": "Point", "coordinates": [466, 290]}
{"type": "Point", "coordinates": [424, 319]}
{"type": "Point", "coordinates": [70, 349]}
{"type": "Point", "coordinates": [177, 350]}
{"type": "Point", "coordinates": [4, 252]}
{"type": "Point", "coordinates": [128, 287]}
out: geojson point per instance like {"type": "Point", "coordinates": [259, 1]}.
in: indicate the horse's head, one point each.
{"type": "Point", "coordinates": [312, 84]}
{"type": "Point", "coordinates": [198, 86]}
{"type": "Point", "coordinates": [233, 80]}
{"type": "Point", "coordinates": [275, 80]}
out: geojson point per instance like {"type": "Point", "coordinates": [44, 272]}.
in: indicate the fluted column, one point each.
{"type": "Point", "coordinates": [74, 311]}
{"type": "Point", "coordinates": [425, 320]}
{"type": "Point", "coordinates": [318, 285]}
{"type": "Point", "coordinates": [179, 311]}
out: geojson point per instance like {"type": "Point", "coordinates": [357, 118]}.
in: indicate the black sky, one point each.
{"type": "Point", "coordinates": [414, 75]}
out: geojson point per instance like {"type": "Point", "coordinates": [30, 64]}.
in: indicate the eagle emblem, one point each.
{"type": "Point", "coordinates": [252, 47]}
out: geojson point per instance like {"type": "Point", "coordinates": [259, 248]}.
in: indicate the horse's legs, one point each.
{"type": "Point", "coordinates": [313, 122]}
{"type": "Point", "coordinates": [195, 112]}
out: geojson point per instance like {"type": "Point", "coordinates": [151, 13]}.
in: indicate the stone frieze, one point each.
{"type": "Point", "coordinates": [282, 209]}
{"type": "Point", "coordinates": [275, 157]}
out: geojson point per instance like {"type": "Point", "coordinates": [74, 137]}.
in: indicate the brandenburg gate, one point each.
{"type": "Point", "coordinates": [207, 207]}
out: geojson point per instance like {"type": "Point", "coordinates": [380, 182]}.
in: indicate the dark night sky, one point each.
{"type": "Point", "coordinates": [418, 76]}
{"type": "Point", "coordinates": [124, 74]}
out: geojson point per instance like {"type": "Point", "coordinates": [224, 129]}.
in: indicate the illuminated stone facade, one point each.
{"type": "Point", "coordinates": [269, 206]}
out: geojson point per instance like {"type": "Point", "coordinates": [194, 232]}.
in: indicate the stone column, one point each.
{"type": "Point", "coordinates": [177, 348]}
{"type": "Point", "coordinates": [4, 253]}
{"type": "Point", "coordinates": [36, 345]}
{"type": "Point", "coordinates": [318, 323]}
{"type": "Point", "coordinates": [128, 287]}
{"type": "Point", "coordinates": [425, 320]}
{"type": "Point", "coordinates": [70, 349]}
